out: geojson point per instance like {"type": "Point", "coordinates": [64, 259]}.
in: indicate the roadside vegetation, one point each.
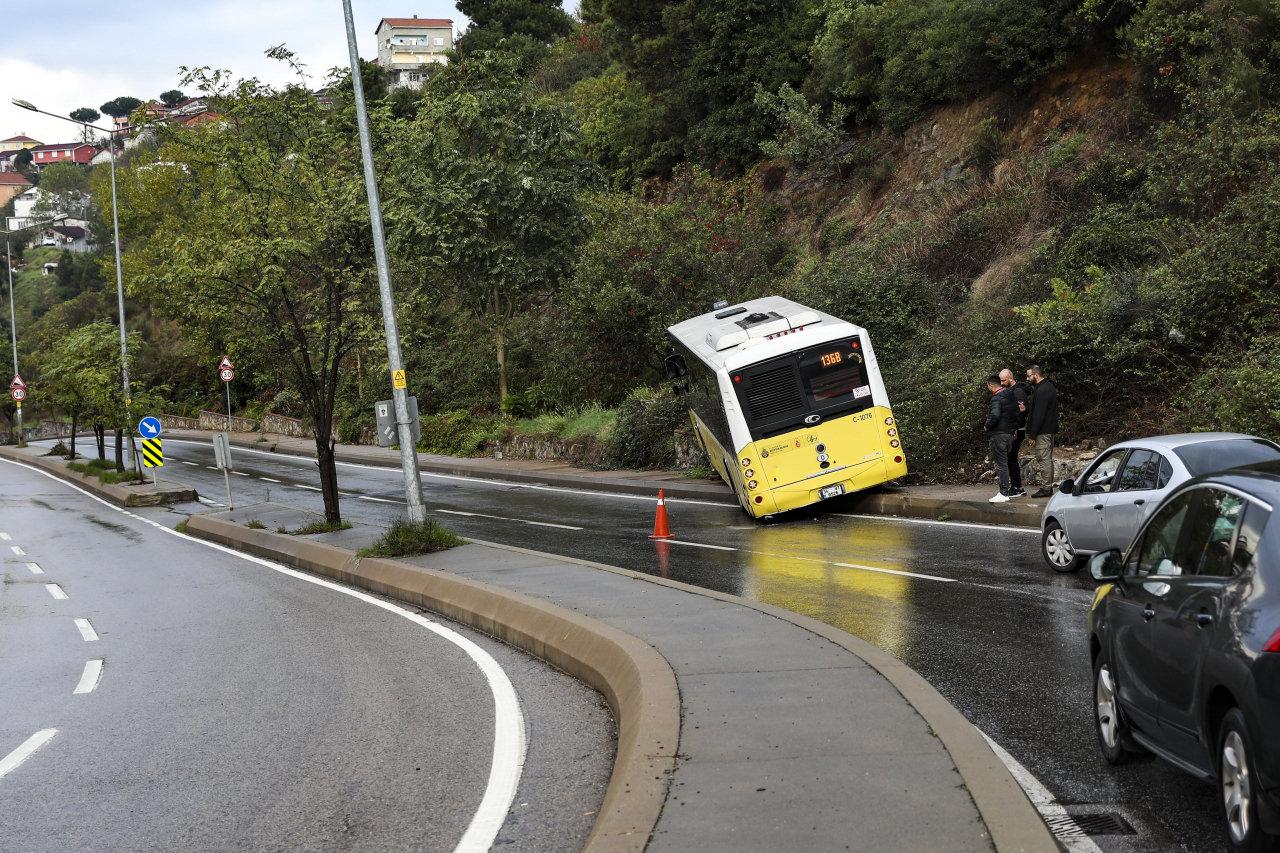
{"type": "Point", "coordinates": [1090, 186]}
{"type": "Point", "coordinates": [105, 472]}
{"type": "Point", "coordinates": [405, 538]}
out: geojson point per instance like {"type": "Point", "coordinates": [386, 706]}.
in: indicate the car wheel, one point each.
{"type": "Point", "coordinates": [1239, 786]}
{"type": "Point", "coordinates": [1108, 722]}
{"type": "Point", "coordinates": [1057, 550]}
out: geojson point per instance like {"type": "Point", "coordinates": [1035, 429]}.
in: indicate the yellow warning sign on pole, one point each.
{"type": "Point", "coordinates": [153, 452]}
{"type": "Point", "coordinates": [398, 379]}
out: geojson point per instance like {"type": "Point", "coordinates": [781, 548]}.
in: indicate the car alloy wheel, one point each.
{"type": "Point", "coordinates": [1108, 713]}
{"type": "Point", "coordinates": [1058, 550]}
{"type": "Point", "coordinates": [1236, 787]}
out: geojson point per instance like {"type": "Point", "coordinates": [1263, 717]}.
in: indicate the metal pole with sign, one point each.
{"type": "Point", "coordinates": [399, 384]}
{"type": "Point", "coordinates": [13, 332]}
{"type": "Point", "coordinates": [222, 458]}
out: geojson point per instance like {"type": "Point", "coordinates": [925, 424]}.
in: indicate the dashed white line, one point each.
{"type": "Point", "coordinates": [56, 591]}
{"type": "Point", "coordinates": [208, 502]}
{"type": "Point", "coordinates": [35, 569]}
{"type": "Point", "coordinates": [15, 549]}
{"type": "Point", "coordinates": [896, 572]}
{"type": "Point", "coordinates": [268, 479]}
{"type": "Point", "coordinates": [192, 464]}
{"type": "Point", "coordinates": [379, 500]}
{"type": "Point", "coordinates": [213, 467]}
{"type": "Point", "coordinates": [24, 751]}
{"type": "Point", "coordinates": [550, 524]}
{"type": "Point", "coordinates": [505, 518]}
{"type": "Point", "coordinates": [308, 488]}
{"type": "Point", "coordinates": [1004, 528]}
{"type": "Point", "coordinates": [90, 677]}
{"type": "Point", "coordinates": [240, 473]}
{"type": "Point", "coordinates": [5, 536]}
{"type": "Point", "coordinates": [698, 544]}
{"type": "Point", "coordinates": [86, 630]}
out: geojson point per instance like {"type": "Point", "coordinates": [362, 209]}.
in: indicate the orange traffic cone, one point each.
{"type": "Point", "coordinates": [660, 528]}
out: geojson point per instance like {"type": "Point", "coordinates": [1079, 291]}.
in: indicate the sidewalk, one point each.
{"type": "Point", "coordinates": [792, 734]}
{"type": "Point", "coordinates": [938, 503]}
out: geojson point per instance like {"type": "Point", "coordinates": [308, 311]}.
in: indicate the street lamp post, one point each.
{"type": "Point", "coordinates": [399, 391]}
{"type": "Point", "coordinates": [115, 232]}
{"type": "Point", "coordinates": [13, 316]}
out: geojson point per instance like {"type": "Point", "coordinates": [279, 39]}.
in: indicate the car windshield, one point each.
{"type": "Point", "coordinates": [1208, 456]}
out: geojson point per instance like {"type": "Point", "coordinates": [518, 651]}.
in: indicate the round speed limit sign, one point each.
{"type": "Point", "coordinates": [227, 374]}
{"type": "Point", "coordinates": [18, 394]}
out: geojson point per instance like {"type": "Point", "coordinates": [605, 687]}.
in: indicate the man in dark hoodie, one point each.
{"type": "Point", "coordinates": [1042, 427]}
{"type": "Point", "coordinates": [1001, 424]}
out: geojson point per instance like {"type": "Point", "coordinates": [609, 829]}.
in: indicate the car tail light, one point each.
{"type": "Point", "coordinates": [1273, 645]}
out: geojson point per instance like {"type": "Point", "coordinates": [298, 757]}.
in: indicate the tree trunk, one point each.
{"type": "Point", "coordinates": [119, 450]}
{"type": "Point", "coordinates": [328, 477]}
{"type": "Point", "coordinates": [75, 422]}
{"type": "Point", "coordinates": [100, 438]}
{"type": "Point", "coordinates": [500, 340]}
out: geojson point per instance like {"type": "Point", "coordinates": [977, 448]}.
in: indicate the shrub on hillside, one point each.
{"type": "Point", "coordinates": [644, 434]}
{"type": "Point", "coordinates": [458, 432]}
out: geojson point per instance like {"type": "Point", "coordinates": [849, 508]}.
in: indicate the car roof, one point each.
{"type": "Point", "coordinates": [1261, 479]}
{"type": "Point", "coordinates": [1173, 442]}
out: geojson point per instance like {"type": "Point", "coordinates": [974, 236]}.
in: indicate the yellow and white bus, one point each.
{"type": "Point", "coordinates": [788, 403]}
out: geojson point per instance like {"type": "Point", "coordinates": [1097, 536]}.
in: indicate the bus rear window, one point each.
{"type": "Point", "coordinates": [835, 374]}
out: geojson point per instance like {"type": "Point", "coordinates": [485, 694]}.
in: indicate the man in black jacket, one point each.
{"type": "Point", "coordinates": [1001, 423]}
{"type": "Point", "coordinates": [1042, 427]}
{"type": "Point", "coordinates": [1021, 396]}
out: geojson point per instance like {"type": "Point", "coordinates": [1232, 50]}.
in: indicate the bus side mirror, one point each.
{"type": "Point", "coordinates": [674, 367]}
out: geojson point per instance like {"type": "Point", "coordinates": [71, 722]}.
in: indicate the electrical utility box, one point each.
{"type": "Point", "coordinates": [386, 412]}
{"type": "Point", "coordinates": [222, 451]}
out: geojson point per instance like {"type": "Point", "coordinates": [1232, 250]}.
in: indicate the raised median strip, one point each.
{"type": "Point", "coordinates": [141, 494]}
{"type": "Point", "coordinates": [793, 731]}
{"type": "Point", "coordinates": [635, 680]}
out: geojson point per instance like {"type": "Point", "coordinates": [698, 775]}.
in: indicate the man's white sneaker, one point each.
{"type": "Point", "coordinates": [999, 498]}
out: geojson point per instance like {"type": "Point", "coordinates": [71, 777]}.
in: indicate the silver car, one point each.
{"type": "Point", "coordinates": [1105, 507]}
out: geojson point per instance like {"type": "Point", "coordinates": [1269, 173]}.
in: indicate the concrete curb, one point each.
{"type": "Point", "coordinates": [1014, 823]}
{"type": "Point", "coordinates": [890, 502]}
{"type": "Point", "coordinates": [117, 494]}
{"type": "Point", "coordinates": [634, 678]}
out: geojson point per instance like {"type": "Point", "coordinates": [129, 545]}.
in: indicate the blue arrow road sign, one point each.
{"type": "Point", "coordinates": [149, 427]}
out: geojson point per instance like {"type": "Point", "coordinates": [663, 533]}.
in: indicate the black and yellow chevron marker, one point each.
{"type": "Point", "coordinates": [153, 452]}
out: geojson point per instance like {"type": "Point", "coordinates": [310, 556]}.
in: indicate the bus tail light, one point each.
{"type": "Point", "coordinates": [892, 433]}
{"type": "Point", "coordinates": [1273, 645]}
{"type": "Point", "coordinates": [749, 474]}
{"type": "Point", "coordinates": [897, 460]}
{"type": "Point", "coordinates": [888, 421]}
{"type": "Point", "coordinates": [759, 499]}
{"type": "Point", "coordinates": [752, 485]}
{"type": "Point", "coordinates": [746, 462]}
{"type": "Point", "coordinates": [895, 443]}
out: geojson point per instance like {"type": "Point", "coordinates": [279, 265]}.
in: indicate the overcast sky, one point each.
{"type": "Point", "coordinates": [65, 55]}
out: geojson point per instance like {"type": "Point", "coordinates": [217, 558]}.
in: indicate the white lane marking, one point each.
{"type": "Point", "coordinates": [1068, 833]}
{"type": "Point", "coordinates": [15, 549]}
{"type": "Point", "coordinates": [56, 591]}
{"type": "Point", "coordinates": [192, 464]}
{"type": "Point", "coordinates": [379, 500]}
{"type": "Point", "coordinates": [697, 544]}
{"type": "Point", "coordinates": [208, 502]}
{"type": "Point", "coordinates": [89, 678]}
{"type": "Point", "coordinates": [505, 518]}
{"type": "Point", "coordinates": [1004, 528]}
{"type": "Point", "coordinates": [509, 743]}
{"type": "Point", "coordinates": [25, 750]}
{"type": "Point", "coordinates": [308, 488]}
{"type": "Point", "coordinates": [5, 536]}
{"type": "Point", "coordinates": [35, 569]}
{"type": "Point", "coordinates": [896, 572]}
{"type": "Point", "coordinates": [240, 473]}
{"type": "Point", "coordinates": [504, 483]}
{"type": "Point", "coordinates": [213, 467]}
{"type": "Point", "coordinates": [86, 630]}
{"type": "Point", "coordinates": [268, 479]}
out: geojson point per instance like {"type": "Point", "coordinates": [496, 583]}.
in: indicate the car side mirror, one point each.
{"type": "Point", "coordinates": [1106, 565]}
{"type": "Point", "coordinates": [1067, 486]}
{"type": "Point", "coordinates": [674, 367]}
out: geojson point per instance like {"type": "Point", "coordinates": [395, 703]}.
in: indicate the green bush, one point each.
{"type": "Point", "coordinates": [405, 538]}
{"type": "Point", "coordinates": [458, 433]}
{"type": "Point", "coordinates": [58, 449]}
{"type": "Point", "coordinates": [644, 433]}
{"type": "Point", "coordinates": [313, 528]}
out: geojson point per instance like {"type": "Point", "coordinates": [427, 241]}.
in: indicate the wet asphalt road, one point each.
{"type": "Point", "coordinates": [241, 708]}
{"type": "Point", "coordinates": [973, 609]}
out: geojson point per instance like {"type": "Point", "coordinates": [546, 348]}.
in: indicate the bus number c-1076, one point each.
{"type": "Point", "coordinates": [831, 359]}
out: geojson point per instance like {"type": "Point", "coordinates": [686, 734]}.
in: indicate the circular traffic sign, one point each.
{"type": "Point", "coordinates": [149, 427]}
{"type": "Point", "coordinates": [18, 394]}
{"type": "Point", "coordinates": [227, 374]}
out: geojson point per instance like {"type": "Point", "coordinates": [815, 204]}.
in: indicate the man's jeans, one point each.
{"type": "Point", "coordinates": [1042, 470]}
{"type": "Point", "coordinates": [1000, 443]}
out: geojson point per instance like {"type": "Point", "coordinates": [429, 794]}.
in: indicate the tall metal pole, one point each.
{"type": "Point", "coordinates": [13, 329]}
{"type": "Point", "coordinates": [124, 344]}
{"type": "Point", "coordinates": [399, 393]}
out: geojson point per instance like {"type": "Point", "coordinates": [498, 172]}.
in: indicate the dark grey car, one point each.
{"type": "Point", "coordinates": [1185, 644]}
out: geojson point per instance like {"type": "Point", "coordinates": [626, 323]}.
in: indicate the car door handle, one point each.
{"type": "Point", "coordinates": [1148, 613]}
{"type": "Point", "coordinates": [1204, 619]}
{"type": "Point", "coordinates": [1139, 501]}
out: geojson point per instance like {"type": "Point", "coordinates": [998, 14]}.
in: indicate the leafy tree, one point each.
{"type": "Point", "coordinates": [172, 98]}
{"type": "Point", "coordinates": [80, 375]}
{"type": "Point", "coordinates": [87, 116]}
{"type": "Point", "coordinates": [272, 256]}
{"type": "Point", "coordinates": [121, 106]}
{"type": "Point", "coordinates": [524, 23]}
{"type": "Point", "coordinates": [22, 162]}
{"type": "Point", "coordinates": [64, 190]}
{"type": "Point", "coordinates": [498, 224]}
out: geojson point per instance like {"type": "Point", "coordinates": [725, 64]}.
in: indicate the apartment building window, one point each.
{"type": "Point", "coordinates": [439, 42]}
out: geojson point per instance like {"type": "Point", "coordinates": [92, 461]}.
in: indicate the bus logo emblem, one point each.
{"type": "Point", "coordinates": [813, 419]}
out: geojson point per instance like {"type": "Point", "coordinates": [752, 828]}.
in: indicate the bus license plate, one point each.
{"type": "Point", "coordinates": [830, 491]}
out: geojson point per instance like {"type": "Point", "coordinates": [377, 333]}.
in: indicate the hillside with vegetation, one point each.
{"type": "Point", "coordinates": [1090, 186]}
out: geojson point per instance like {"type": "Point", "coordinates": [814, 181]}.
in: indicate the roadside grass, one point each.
{"type": "Point", "coordinates": [704, 471]}
{"type": "Point", "coordinates": [312, 528]}
{"type": "Point", "coordinates": [105, 472]}
{"type": "Point", "coordinates": [405, 538]}
{"type": "Point", "coordinates": [255, 524]}
{"type": "Point", "coordinates": [181, 526]}
{"type": "Point", "coordinates": [587, 422]}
